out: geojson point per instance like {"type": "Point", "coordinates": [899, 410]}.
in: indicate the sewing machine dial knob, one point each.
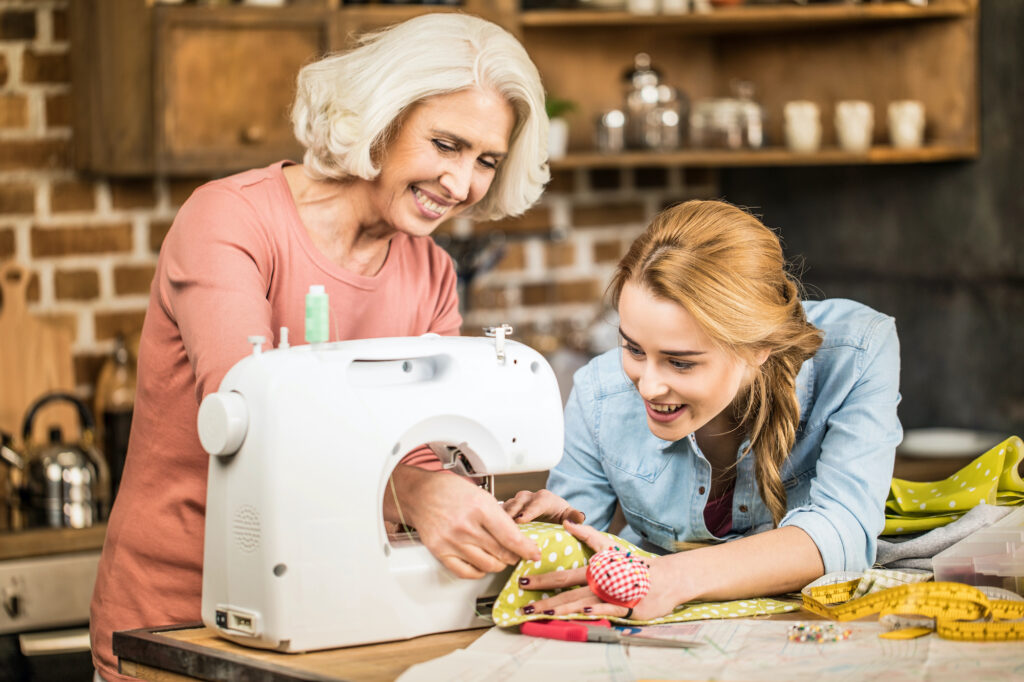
{"type": "Point", "coordinates": [223, 422]}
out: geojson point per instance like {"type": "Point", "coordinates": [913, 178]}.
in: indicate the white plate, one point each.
{"type": "Point", "coordinates": [947, 442]}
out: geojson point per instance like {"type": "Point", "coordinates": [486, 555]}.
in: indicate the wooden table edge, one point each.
{"type": "Point", "coordinates": [147, 650]}
{"type": "Point", "coordinates": [149, 654]}
{"type": "Point", "coordinates": [147, 647]}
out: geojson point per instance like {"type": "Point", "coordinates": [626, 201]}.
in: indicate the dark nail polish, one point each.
{"type": "Point", "coordinates": [524, 581]}
{"type": "Point", "coordinates": [549, 612]}
{"type": "Point", "coordinates": [588, 609]}
{"type": "Point", "coordinates": [528, 609]}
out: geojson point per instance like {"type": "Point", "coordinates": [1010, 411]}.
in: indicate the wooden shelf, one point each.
{"type": "Point", "coordinates": [128, 117]}
{"type": "Point", "coordinates": [390, 14]}
{"type": "Point", "coordinates": [748, 17]}
{"type": "Point", "coordinates": [49, 541]}
{"type": "Point", "coordinates": [772, 156]}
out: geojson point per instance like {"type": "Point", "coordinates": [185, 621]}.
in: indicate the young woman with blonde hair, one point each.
{"type": "Point", "coordinates": [734, 415]}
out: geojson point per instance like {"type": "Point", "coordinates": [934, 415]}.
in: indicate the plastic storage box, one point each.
{"type": "Point", "coordinates": [992, 556]}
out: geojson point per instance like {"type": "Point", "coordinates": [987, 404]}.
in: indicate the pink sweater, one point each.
{"type": "Point", "coordinates": [237, 262]}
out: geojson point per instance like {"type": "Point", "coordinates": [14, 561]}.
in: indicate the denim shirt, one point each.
{"type": "Point", "coordinates": [836, 478]}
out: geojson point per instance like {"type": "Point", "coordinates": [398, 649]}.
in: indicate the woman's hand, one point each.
{"type": "Point", "coordinates": [528, 506]}
{"type": "Point", "coordinates": [661, 600]}
{"type": "Point", "coordinates": [461, 524]}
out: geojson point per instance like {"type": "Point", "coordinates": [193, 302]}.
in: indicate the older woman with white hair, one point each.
{"type": "Point", "coordinates": [436, 117]}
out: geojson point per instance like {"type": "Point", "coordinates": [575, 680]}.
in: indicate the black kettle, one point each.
{"type": "Point", "coordinates": [64, 484]}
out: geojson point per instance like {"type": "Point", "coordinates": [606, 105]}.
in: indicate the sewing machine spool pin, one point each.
{"type": "Point", "coordinates": [257, 343]}
{"type": "Point", "coordinates": [499, 334]}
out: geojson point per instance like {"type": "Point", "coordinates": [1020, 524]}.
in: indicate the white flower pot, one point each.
{"type": "Point", "coordinates": [558, 138]}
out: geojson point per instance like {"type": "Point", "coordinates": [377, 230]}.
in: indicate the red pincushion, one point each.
{"type": "Point", "coordinates": [618, 577]}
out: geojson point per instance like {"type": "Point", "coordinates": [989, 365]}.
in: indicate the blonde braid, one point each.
{"type": "Point", "coordinates": [772, 413]}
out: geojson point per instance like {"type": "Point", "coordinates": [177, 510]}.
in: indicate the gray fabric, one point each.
{"type": "Point", "coordinates": [917, 551]}
{"type": "Point", "coordinates": [923, 564]}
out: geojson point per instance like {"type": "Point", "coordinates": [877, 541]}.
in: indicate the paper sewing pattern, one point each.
{"type": "Point", "coordinates": [560, 551]}
{"type": "Point", "coordinates": [753, 650]}
{"type": "Point", "coordinates": [992, 478]}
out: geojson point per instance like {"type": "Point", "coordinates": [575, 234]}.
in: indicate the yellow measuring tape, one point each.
{"type": "Point", "coordinates": [960, 611]}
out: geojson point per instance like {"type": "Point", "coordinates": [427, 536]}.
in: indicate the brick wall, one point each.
{"type": "Point", "coordinates": [561, 254]}
{"type": "Point", "coordinates": [92, 242]}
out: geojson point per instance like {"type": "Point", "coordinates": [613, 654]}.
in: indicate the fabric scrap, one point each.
{"type": "Point", "coordinates": [878, 579]}
{"type": "Point", "coordinates": [561, 551]}
{"type": "Point", "coordinates": [991, 479]}
{"type": "Point", "coordinates": [917, 552]}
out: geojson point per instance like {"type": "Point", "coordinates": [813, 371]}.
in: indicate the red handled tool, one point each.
{"type": "Point", "coordinates": [595, 631]}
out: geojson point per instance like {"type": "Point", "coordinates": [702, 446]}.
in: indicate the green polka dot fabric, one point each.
{"type": "Point", "coordinates": [561, 551]}
{"type": "Point", "coordinates": [993, 478]}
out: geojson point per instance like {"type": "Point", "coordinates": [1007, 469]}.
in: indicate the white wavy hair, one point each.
{"type": "Point", "coordinates": [349, 105]}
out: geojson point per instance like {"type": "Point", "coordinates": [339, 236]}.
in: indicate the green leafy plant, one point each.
{"type": "Point", "coordinates": [556, 106]}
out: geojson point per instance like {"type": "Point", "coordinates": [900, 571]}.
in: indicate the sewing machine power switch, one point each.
{"type": "Point", "coordinates": [237, 621]}
{"type": "Point", "coordinates": [223, 422]}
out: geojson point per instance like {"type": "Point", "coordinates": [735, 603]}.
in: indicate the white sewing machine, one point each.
{"type": "Point", "coordinates": [302, 443]}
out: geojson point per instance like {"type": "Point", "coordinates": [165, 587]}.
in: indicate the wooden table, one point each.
{"type": "Point", "coordinates": [195, 652]}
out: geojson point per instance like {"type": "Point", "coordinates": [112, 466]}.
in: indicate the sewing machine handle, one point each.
{"type": "Point", "coordinates": [402, 349]}
{"type": "Point", "coordinates": [413, 349]}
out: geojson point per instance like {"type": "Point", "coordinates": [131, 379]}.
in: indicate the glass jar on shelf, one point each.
{"type": "Point", "coordinates": [654, 110]}
{"type": "Point", "coordinates": [728, 122]}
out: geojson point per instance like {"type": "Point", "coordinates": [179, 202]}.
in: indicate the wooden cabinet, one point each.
{"type": "Point", "coordinates": [224, 85]}
{"type": "Point", "coordinates": [187, 90]}
{"type": "Point", "coordinates": [195, 89]}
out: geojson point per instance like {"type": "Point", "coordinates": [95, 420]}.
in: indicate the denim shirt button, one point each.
{"type": "Point", "coordinates": [743, 508]}
{"type": "Point", "coordinates": [700, 490]}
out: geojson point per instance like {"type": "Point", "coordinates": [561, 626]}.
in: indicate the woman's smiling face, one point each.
{"type": "Point", "coordinates": [443, 159]}
{"type": "Point", "coordinates": [684, 378]}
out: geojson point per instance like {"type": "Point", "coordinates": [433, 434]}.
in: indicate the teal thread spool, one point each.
{"type": "Point", "coordinates": [317, 315]}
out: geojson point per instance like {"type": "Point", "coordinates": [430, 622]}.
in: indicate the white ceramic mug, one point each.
{"type": "Point", "coordinates": [854, 121]}
{"type": "Point", "coordinates": [803, 125]}
{"type": "Point", "coordinates": [642, 6]}
{"type": "Point", "coordinates": [906, 123]}
{"type": "Point", "coordinates": [674, 6]}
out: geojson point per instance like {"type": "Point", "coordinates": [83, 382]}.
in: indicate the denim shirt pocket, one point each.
{"type": "Point", "coordinates": [622, 445]}
{"type": "Point", "coordinates": [651, 531]}
{"type": "Point", "coordinates": [798, 487]}
{"type": "Point", "coordinates": [633, 464]}
{"type": "Point", "coordinates": [794, 480]}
